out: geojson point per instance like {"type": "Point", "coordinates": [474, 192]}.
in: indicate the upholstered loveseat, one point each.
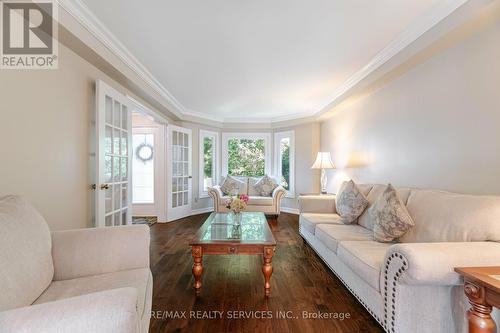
{"type": "Point", "coordinates": [267, 204]}
{"type": "Point", "coordinates": [78, 281]}
{"type": "Point", "coordinates": [409, 286]}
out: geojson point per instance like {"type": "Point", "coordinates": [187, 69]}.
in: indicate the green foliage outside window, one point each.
{"type": "Point", "coordinates": [285, 163]}
{"type": "Point", "coordinates": [208, 157]}
{"type": "Point", "coordinates": [246, 157]}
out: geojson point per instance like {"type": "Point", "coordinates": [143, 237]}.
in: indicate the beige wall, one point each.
{"type": "Point", "coordinates": [436, 126]}
{"type": "Point", "coordinates": [45, 131]}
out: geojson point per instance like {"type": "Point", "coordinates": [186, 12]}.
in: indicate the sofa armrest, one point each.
{"type": "Point", "coordinates": [317, 204]}
{"type": "Point", "coordinates": [111, 311]}
{"type": "Point", "coordinates": [92, 251]}
{"type": "Point", "coordinates": [278, 192]}
{"type": "Point", "coordinates": [215, 192]}
{"type": "Point", "coordinates": [434, 263]}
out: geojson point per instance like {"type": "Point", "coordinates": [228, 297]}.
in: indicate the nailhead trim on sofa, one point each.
{"type": "Point", "coordinates": [345, 284]}
{"type": "Point", "coordinates": [397, 275]}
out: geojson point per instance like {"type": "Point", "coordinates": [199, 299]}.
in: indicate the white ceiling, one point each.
{"type": "Point", "coordinates": [264, 59]}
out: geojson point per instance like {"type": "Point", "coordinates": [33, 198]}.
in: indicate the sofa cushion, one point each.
{"type": "Point", "coordinates": [365, 188]}
{"type": "Point", "coordinates": [365, 258]}
{"type": "Point", "coordinates": [233, 186]}
{"type": "Point", "coordinates": [252, 191]}
{"type": "Point", "coordinates": [350, 202]}
{"type": "Point", "coordinates": [25, 253]}
{"type": "Point", "coordinates": [253, 201]}
{"type": "Point", "coordinates": [449, 217]}
{"type": "Point", "coordinates": [372, 195]}
{"type": "Point", "coordinates": [390, 217]}
{"type": "Point", "coordinates": [309, 220]}
{"type": "Point", "coordinates": [331, 234]}
{"type": "Point", "coordinates": [260, 201]}
{"type": "Point", "coordinates": [265, 186]}
{"type": "Point", "coordinates": [139, 279]}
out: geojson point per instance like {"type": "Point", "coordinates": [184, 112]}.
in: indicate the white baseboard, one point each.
{"type": "Point", "coordinates": [290, 210]}
{"type": "Point", "coordinates": [202, 210]}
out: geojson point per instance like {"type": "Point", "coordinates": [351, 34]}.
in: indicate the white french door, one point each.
{"type": "Point", "coordinates": [179, 172]}
{"type": "Point", "coordinates": [113, 157]}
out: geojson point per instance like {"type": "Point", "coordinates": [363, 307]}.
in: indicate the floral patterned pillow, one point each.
{"type": "Point", "coordinates": [390, 216]}
{"type": "Point", "coordinates": [350, 203]}
{"type": "Point", "coordinates": [265, 186]}
{"type": "Point", "coordinates": [231, 186]}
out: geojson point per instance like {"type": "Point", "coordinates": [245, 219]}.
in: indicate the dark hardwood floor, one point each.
{"type": "Point", "coordinates": [300, 282]}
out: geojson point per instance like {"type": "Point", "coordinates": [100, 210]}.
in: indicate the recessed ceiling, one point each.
{"type": "Point", "coordinates": [260, 59]}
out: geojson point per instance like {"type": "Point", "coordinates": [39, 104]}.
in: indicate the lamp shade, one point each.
{"type": "Point", "coordinates": [323, 161]}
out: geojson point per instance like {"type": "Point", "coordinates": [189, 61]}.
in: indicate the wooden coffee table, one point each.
{"type": "Point", "coordinates": [219, 235]}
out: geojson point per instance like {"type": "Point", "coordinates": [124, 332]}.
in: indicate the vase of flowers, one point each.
{"type": "Point", "coordinates": [236, 205]}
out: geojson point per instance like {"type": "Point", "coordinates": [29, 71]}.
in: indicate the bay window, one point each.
{"type": "Point", "coordinates": [246, 154]}
{"type": "Point", "coordinates": [284, 160]}
{"type": "Point", "coordinates": [208, 161]}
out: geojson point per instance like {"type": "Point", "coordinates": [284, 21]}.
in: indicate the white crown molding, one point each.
{"type": "Point", "coordinates": [202, 115]}
{"type": "Point", "coordinates": [90, 22]}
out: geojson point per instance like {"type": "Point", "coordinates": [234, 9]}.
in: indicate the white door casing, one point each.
{"type": "Point", "coordinates": [179, 171]}
{"type": "Point", "coordinates": [113, 157]}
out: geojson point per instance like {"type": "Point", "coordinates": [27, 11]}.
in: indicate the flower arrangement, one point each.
{"type": "Point", "coordinates": [238, 203]}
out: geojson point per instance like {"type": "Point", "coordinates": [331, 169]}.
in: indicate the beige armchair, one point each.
{"type": "Point", "coordinates": [87, 280]}
{"type": "Point", "coordinates": [268, 205]}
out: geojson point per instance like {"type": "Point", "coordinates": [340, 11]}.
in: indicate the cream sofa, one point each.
{"type": "Point", "coordinates": [257, 203]}
{"type": "Point", "coordinates": [409, 286]}
{"type": "Point", "coordinates": [78, 281]}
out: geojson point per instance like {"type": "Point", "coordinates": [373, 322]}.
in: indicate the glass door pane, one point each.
{"type": "Point", "coordinates": [113, 158]}
{"type": "Point", "coordinates": [116, 162]}
{"type": "Point", "coordinates": [180, 176]}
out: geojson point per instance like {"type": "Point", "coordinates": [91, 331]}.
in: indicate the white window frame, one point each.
{"type": "Point", "coordinates": [278, 136]}
{"type": "Point", "coordinates": [215, 160]}
{"type": "Point", "coordinates": [250, 136]}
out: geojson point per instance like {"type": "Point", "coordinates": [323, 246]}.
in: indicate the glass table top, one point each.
{"type": "Point", "coordinates": [221, 228]}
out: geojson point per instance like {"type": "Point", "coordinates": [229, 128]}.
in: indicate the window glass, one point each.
{"type": "Point", "coordinates": [246, 157]}
{"type": "Point", "coordinates": [208, 163]}
{"type": "Point", "coordinates": [285, 162]}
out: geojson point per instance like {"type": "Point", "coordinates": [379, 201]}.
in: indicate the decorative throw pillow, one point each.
{"type": "Point", "coordinates": [231, 186]}
{"type": "Point", "coordinates": [265, 186]}
{"type": "Point", "coordinates": [350, 202]}
{"type": "Point", "coordinates": [390, 217]}
{"type": "Point", "coordinates": [252, 191]}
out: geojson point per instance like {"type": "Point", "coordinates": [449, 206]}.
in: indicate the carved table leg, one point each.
{"type": "Point", "coordinates": [197, 254]}
{"type": "Point", "coordinates": [267, 268]}
{"type": "Point", "coordinates": [479, 316]}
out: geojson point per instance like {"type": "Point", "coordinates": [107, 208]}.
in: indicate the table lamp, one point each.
{"type": "Point", "coordinates": [323, 161]}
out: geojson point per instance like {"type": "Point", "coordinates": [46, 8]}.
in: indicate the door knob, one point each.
{"type": "Point", "coordinates": [104, 186]}
{"type": "Point", "coordinates": [190, 177]}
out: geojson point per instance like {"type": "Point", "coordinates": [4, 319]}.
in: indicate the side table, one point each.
{"type": "Point", "coordinates": [482, 287]}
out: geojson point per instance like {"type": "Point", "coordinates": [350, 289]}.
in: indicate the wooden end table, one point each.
{"type": "Point", "coordinates": [219, 235]}
{"type": "Point", "coordinates": [482, 287]}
